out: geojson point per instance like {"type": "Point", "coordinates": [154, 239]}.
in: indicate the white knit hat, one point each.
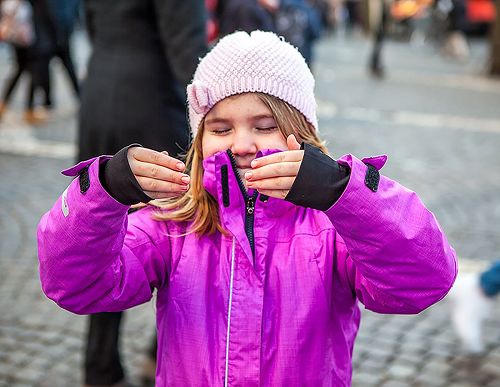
{"type": "Point", "coordinates": [255, 62]}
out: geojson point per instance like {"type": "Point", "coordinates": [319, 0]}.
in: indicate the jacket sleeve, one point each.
{"type": "Point", "coordinates": [93, 256]}
{"type": "Point", "coordinates": [397, 258]}
{"type": "Point", "coordinates": [182, 26]}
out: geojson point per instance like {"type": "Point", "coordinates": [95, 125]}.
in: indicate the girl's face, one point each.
{"type": "Point", "coordinates": [243, 124]}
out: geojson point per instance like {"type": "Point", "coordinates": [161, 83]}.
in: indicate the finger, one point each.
{"type": "Point", "coordinates": [279, 194]}
{"type": "Point", "coordinates": [153, 157]}
{"type": "Point", "coordinates": [154, 185]}
{"type": "Point", "coordinates": [277, 183]}
{"type": "Point", "coordinates": [280, 157]}
{"type": "Point", "coordinates": [158, 172]}
{"type": "Point", "coordinates": [273, 170]}
{"type": "Point", "coordinates": [163, 195]}
{"type": "Point", "coordinates": [292, 143]}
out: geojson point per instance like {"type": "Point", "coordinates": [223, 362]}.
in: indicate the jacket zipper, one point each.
{"type": "Point", "coordinates": [249, 223]}
{"type": "Point", "coordinates": [230, 304]}
{"type": "Point", "coordinates": [249, 203]}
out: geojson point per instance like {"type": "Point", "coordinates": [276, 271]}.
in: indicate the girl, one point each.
{"type": "Point", "coordinates": [261, 251]}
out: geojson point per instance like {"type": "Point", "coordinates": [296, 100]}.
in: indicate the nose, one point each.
{"type": "Point", "coordinates": [243, 143]}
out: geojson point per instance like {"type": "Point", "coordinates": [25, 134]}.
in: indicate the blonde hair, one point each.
{"type": "Point", "coordinates": [197, 205]}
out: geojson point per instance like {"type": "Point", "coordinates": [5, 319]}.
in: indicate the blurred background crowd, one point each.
{"type": "Point", "coordinates": [126, 65]}
{"type": "Point", "coordinates": [40, 31]}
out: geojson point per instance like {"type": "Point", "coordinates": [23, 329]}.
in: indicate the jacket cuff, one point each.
{"type": "Point", "coordinates": [320, 181]}
{"type": "Point", "coordinates": [118, 180]}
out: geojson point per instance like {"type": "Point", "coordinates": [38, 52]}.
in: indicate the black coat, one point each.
{"type": "Point", "coordinates": [144, 54]}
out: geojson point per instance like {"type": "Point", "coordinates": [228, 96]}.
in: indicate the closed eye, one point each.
{"type": "Point", "coordinates": [267, 129]}
{"type": "Point", "coordinates": [220, 131]}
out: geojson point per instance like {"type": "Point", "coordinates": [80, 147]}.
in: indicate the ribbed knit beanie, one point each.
{"type": "Point", "coordinates": [255, 62]}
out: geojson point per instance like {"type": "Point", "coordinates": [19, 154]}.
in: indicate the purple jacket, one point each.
{"type": "Point", "coordinates": [285, 316]}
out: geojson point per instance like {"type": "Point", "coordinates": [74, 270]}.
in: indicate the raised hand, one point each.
{"type": "Point", "coordinates": [159, 175]}
{"type": "Point", "coordinates": [274, 175]}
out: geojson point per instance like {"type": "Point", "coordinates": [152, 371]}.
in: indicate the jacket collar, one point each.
{"type": "Point", "coordinates": [221, 181]}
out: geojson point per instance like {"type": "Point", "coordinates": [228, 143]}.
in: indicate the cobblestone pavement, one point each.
{"type": "Point", "coordinates": [438, 121]}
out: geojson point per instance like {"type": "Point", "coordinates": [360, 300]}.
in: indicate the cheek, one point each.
{"type": "Point", "coordinates": [277, 141]}
{"type": "Point", "coordinates": [212, 145]}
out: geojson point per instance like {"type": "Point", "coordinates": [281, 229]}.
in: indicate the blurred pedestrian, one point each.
{"type": "Point", "coordinates": [300, 22]}
{"type": "Point", "coordinates": [32, 46]}
{"type": "Point", "coordinates": [21, 62]}
{"type": "Point", "coordinates": [375, 62]}
{"type": "Point", "coordinates": [401, 11]}
{"type": "Point", "coordinates": [472, 297]}
{"type": "Point", "coordinates": [16, 29]}
{"type": "Point", "coordinates": [213, 22]}
{"type": "Point", "coordinates": [353, 16]}
{"type": "Point", "coordinates": [246, 15]}
{"type": "Point", "coordinates": [455, 44]}
{"type": "Point", "coordinates": [331, 14]}
{"type": "Point", "coordinates": [144, 53]}
{"type": "Point", "coordinates": [42, 51]}
{"type": "Point", "coordinates": [64, 14]}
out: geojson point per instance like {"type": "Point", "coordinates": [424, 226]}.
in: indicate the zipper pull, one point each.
{"type": "Point", "coordinates": [250, 206]}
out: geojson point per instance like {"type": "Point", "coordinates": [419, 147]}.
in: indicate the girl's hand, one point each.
{"type": "Point", "coordinates": [159, 175]}
{"type": "Point", "coordinates": [274, 175]}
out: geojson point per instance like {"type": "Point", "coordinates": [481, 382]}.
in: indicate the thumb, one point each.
{"type": "Point", "coordinates": [292, 143]}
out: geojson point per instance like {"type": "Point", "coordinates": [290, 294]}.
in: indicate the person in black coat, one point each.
{"type": "Point", "coordinates": [144, 54]}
